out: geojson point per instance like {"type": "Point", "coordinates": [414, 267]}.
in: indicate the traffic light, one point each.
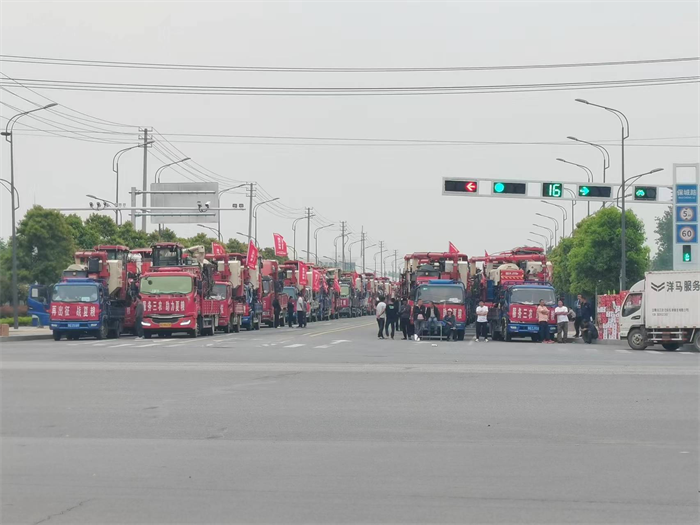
{"type": "Point", "coordinates": [645, 193]}
{"type": "Point", "coordinates": [588, 191]}
{"type": "Point", "coordinates": [552, 189]}
{"type": "Point", "coordinates": [461, 186]}
{"type": "Point", "coordinates": [687, 253]}
{"type": "Point", "coordinates": [517, 188]}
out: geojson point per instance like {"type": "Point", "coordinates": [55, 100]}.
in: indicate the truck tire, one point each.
{"type": "Point", "coordinates": [637, 339]}
{"type": "Point", "coordinates": [229, 326]}
{"type": "Point", "coordinates": [57, 335]}
{"type": "Point", "coordinates": [504, 330]}
{"type": "Point", "coordinates": [670, 346]}
{"type": "Point", "coordinates": [147, 335]}
{"type": "Point", "coordinates": [102, 331]}
{"type": "Point", "coordinates": [696, 341]}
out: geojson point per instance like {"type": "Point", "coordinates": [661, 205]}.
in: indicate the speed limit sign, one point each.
{"type": "Point", "coordinates": [687, 214]}
{"type": "Point", "coordinates": [687, 233]}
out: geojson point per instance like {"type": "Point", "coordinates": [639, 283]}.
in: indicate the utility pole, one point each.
{"type": "Point", "coordinates": [363, 234]}
{"type": "Point", "coordinates": [133, 206]}
{"type": "Point", "coordinates": [251, 194]}
{"type": "Point", "coordinates": [396, 259]}
{"type": "Point", "coordinates": [381, 257]}
{"type": "Point", "coordinates": [308, 234]}
{"type": "Point", "coordinates": [343, 225]}
{"type": "Point", "coordinates": [145, 179]}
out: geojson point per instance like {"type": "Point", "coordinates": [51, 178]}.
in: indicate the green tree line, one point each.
{"type": "Point", "coordinates": [47, 240]}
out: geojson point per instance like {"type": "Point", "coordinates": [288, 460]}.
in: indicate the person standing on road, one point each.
{"type": "Point", "coordinates": [580, 301]}
{"type": "Point", "coordinates": [381, 317]}
{"type": "Point", "coordinates": [392, 313]}
{"type": "Point", "coordinates": [562, 313]}
{"type": "Point", "coordinates": [301, 311]}
{"type": "Point", "coordinates": [419, 314]}
{"type": "Point", "coordinates": [449, 328]}
{"type": "Point", "coordinates": [405, 316]}
{"type": "Point", "coordinates": [276, 309]}
{"type": "Point", "coordinates": [139, 317]}
{"type": "Point", "coordinates": [433, 316]}
{"type": "Point", "coordinates": [543, 321]}
{"type": "Point", "coordinates": [482, 322]}
{"type": "Point", "coordinates": [290, 311]}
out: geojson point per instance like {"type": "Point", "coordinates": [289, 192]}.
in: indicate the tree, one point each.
{"type": "Point", "coordinates": [594, 259]}
{"type": "Point", "coordinates": [559, 257]}
{"type": "Point", "coordinates": [83, 237]}
{"type": "Point", "coordinates": [269, 254]}
{"type": "Point", "coordinates": [663, 260]}
{"type": "Point", "coordinates": [104, 227]}
{"type": "Point", "coordinates": [132, 238]}
{"type": "Point", "coordinates": [200, 239]}
{"type": "Point", "coordinates": [45, 246]}
{"type": "Point", "coordinates": [236, 246]}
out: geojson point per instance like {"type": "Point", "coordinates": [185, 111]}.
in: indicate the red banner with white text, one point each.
{"type": "Point", "coordinates": [280, 245]}
{"type": "Point", "coordinates": [217, 249]}
{"type": "Point", "coordinates": [303, 274]}
{"type": "Point", "coordinates": [252, 258]}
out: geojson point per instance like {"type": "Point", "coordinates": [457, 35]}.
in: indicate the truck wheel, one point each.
{"type": "Point", "coordinates": [192, 333]}
{"type": "Point", "coordinates": [102, 332]}
{"type": "Point", "coordinates": [57, 335]}
{"type": "Point", "coordinates": [504, 331]}
{"type": "Point", "coordinates": [147, 335]}
{"type": "Point", "coordinates": [670, 346]}
{"type": "Point", "coordinates": [636, 339]}
{"type": "Point", "coordinates": [229, 326]}
{"type": "Point", "coordinates": [696, 341]}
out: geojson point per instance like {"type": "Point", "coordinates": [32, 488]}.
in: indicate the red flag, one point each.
{"type": "Point", "coordinates": [217, 249]}
{"type": "Point", "coordinates": [303, 276]}
{"type": "Point", "coordinates": [317, 280]}
{"type": "Point", "coordinates": [252, 257]}
{"type": "Point", "coordinates": [280, 245]}
{"type": "Point", "coordinates": [453, 248]}
{"type": "Point", "coordinates": [336, 284]}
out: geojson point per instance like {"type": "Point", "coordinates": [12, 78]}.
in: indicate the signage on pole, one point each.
{"type": "Point", "coordinates": [686, 233]}
{"type": "Point", "coordinates": [686, 181]}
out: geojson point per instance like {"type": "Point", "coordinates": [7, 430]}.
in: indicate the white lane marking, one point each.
{"type": "Point", "coordinates": [653, 352]}
{"type": "Point", "coordinates": [99, 344]}
{"type": "Point", "coordinates": [686, 353]}
{"type": "Point", "coordinates": [339, 341]}
{"type": "Point", "coordinates": [171, 346]}
{"type": "Point", "coordinates": [121, 345]}
{"type": "Point", "coordinates": [623, 351]}
{"type": "Point", "coordinates": [322, 346]}
{"type": "Point", "coordinates": [144, 346]}
{"type": "Point", "coordinates": [297, 345]}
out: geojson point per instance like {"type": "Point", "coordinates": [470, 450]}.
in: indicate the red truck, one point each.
{"type": "Point", "coordinates": [177, 292]}
{"type": "Point", "coordinates": [272, 288]}
{"type": "Point", "coordinates": [247, 286]}
{"type": "Point", "coordinates": [332, 279]}
{"type": "Point", "coordinates": [222, 292]}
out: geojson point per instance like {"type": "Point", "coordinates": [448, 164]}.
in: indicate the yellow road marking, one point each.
{"type": "Point", "coordinates": [341, 329]}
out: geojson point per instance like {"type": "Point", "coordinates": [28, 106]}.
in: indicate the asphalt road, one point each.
{"type": "Point", "coordinates": [329, 425]}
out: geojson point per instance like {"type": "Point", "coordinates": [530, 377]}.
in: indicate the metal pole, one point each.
{"type": "Point", "coordinates": [308, 233]}
{"type": "Point", "coordinates": [623, 223]}
{"type": "Point", "coordinates": [15, 298]}
{"type": "Point", "coordinates": [342, 225]}
{"type": "Point", "coordinates": [363, 249]}
{"type": "Point", "coordinates": [145, 177]}
{"type": "Point", "coordinates": [250, 214]}
{"type": "Point", "coordinates": [133, 205]}
{"type": "Point", "coordinates": [381, 257]}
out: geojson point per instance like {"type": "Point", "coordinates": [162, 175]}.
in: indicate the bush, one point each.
{"type": "Point", "coordinates": [6, 310]}
{"type": "Point", "coordinates": [23, 321]}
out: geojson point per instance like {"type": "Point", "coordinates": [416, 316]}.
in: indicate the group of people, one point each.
{"type": "Point", "coordinates": [413, 320]}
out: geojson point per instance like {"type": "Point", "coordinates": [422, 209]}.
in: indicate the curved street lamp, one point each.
{"type": "Point", "coordinates": [255, 212]}
{"type": "Point", "coordinates": [156, 178]}
{"type": "Point", "coordinates": [217, 232]}
{"type": "Point", "coordinates": [551, 232]}
{"type": "Point", "coordinates": [115, 169]}
{"type": "Point", "coordinates": [316, 239]}
{"type": "Point", "coordinates": [606, 154]}
{"type": "Point", "coordinates": [8, 186]}
{"type": "Point", "coordinates": [537, 242]}
{"type": "Point", "coordinates": [564, 216]}
{"type": "Point", "coordinates": [589, 174]}
{"type": "Point", "coordinates": [556, 224]}
{"type": "Point", "coordinates": [546, 239]}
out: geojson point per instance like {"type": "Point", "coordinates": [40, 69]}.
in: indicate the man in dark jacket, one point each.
{"type": "Point", "coordinates": [276, 309]}
{"type": "Point", "coordinates": [405, 317]}
{"type": "Point", "coordinates": [449, 325]}
{"type": "Point", "coordinates": [433, 317]}
{"type": "Point", "coordinates": [392, 315]}
{"type": "Point", "coordinates": [139, 317]}
{"type": "Point", "coordinates": [290, 311]}
{"type": "Point", "coordinates": [419, 317]}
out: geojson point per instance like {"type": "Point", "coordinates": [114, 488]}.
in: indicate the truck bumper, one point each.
{"type": "Point", "coordinates": [75, 326]}
{"type": "Point", "coordinates": [183, 324]}
{"type": "Point", "coordinates": [528, 329]}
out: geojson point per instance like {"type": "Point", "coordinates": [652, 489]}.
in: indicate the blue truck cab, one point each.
{"type": "Point", "coordinates": [446, 294]}
{"type": "Point", "coordinates": [39, 304]}
{"type": "Point", "coordinates": [516, 312]}
{"type": "Point", "coordinates": [82, 306]}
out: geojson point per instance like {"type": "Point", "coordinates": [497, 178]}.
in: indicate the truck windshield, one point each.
{"type": "Point", "coordinates": [267, 285]}
{"type": "Point", "coordinates": [166, 284]}
{"type": "Point", "coordinates": [344, 290]}
{"type": "Point", "coordinates": [170, 256]}
{"type": "Point", "coordinates": [75, 293]}
{"type": "Point", "coordinates": [441, 294]}
{"type": "Point", "coordinates": [219, 291]}
{"type": "Point", "coordinates": [290, 291]}
{"type": "Point", "coordinates": [532, 296]}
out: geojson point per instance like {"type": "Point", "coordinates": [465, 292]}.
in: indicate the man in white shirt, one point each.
{"type": "Point", "coordinates": [381, 317]}
{"type": "Point", "coordinates": [301, 311]}
{"type": "Point", "coordinates": [562, 314]}
{"type": "Point", "coordinates": [482, 322]}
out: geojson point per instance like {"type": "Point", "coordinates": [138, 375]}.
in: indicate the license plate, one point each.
{"type": "Point", "coordinates": [165, 325]}
{"type": "Point", "coordinates": [73, 325]}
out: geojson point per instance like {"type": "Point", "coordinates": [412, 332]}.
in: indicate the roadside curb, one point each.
{"type": "Point", "coordinates": [606, 342]}
{"type": "Point", "coordinates": [36, 337]}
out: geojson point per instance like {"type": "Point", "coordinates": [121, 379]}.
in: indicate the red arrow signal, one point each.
{"type": "Point", "coordinates": [471, 186]}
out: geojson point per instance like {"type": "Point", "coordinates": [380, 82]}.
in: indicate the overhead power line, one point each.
{"type": "Point", "coordinates": [178, 89]}
{"type": "Point", "coordinates": [285, 69]}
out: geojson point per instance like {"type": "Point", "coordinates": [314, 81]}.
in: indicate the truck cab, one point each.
{"type": "Point", "coordinates": [446, 294]}
{"type": "Point", "coordinates": [39, 304]}
{"type": "Point", "coordinates": [516, 312]}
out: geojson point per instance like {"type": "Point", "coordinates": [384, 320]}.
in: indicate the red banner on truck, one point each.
{"type": "Point", "coordinates": [280, 245]}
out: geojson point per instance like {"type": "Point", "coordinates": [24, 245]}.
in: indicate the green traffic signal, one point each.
{"type": "Point", "coordinates": [499, 187]}
{"type": "Point", "coordinates": [687, 253]}
{"type": "Point", "coordinates": [645, 193]}
{"type": "Point", "coordinates": [517, 188]}
{"type": "Point", "coordinates": [552, 189]}
{"type": "Point", "coordinates": [583, 191]}
{"type": "Point", "coordinates": [593, 192]}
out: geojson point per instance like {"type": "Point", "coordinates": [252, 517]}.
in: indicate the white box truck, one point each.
{"type": "Point", "coordinates": [663, 309]}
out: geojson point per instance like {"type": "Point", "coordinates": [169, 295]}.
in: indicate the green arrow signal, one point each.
{"type": "Point", "coordinates": [584, 190]}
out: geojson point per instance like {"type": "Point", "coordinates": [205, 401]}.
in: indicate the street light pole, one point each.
{"type": "Point", "coordinates": [255, 213]}
{"type": "Point", "coordinates": [218, 202]}
{"type": "Point", "coordinates": [556, 225]}
{"type": "Point", "coordinates": [316, 239]}
{"type": "Point", "coordinates": [105, 201]}
{"type": "Point", "coordinates": [294, 229]}
{"type": "Point", "coordinates": [115, 169]}
{"type": "Point", "coordinates": [589, 174]}
{"type": "Point", "coordinates": [156, 178]}
{"type": "Point", "coordinates": [606, 154]}
{"type": "Point", "coordinates": [9, 137]}
{"type": "Point", "coordinates": [625, 133]}
{"type": "Point", "coordinates": [217, 232]}
{"type": "Point", "coordinates": [350, 248]}
{"type": "Point", "coordinates": [551, 233]}
{"type": "Point", "coordinates": [546, 239]}
{"type": "Point", "coordinates": [564, 216]}
{"type": "Point", "coordinates": [573, 213]}
{"type": "Point", "coordinates": [537, 242]}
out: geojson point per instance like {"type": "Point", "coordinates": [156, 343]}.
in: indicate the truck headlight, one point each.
{"type": "Point", "coordinates": [144, 323]}
{"type": "Point", "coordinates": [186, 323]}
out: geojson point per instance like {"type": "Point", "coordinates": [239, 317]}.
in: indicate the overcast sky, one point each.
{"type": "Point", "coordinates": [393, 191]}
